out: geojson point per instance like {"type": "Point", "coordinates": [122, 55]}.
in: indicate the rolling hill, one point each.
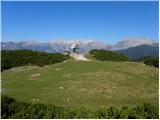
{"type": "Point", "coordinates": [92, 84]}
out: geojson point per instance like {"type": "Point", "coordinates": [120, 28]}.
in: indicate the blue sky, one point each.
{"type": "Point", "coordinates": [105, 21]}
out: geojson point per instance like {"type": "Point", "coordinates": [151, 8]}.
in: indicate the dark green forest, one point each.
{"type": "Point", "coordinates": [17, 58]}
{"type": "Point", "coordinates": [104, 55]}
{"type": "Point", "coordinates": [10, 108]}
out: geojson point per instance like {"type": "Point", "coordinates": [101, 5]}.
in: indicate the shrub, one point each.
{"type": "Point", "coordinates": [104, 55]}
{"type": "Point", "coordinates": [17, 58]}
{"type": "Point", "coordinates": [151, 61]}
{"type": "Point", "coordinates": [10, 108]}
{"type": "Point", "coordinates": [124, 113]}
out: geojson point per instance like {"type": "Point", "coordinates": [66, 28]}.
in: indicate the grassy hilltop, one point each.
{"type": "Point", "coordinates": [92, 84]}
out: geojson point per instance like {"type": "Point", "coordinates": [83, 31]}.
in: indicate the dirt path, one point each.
{"type": "Point", "coordinates": [79, 57]}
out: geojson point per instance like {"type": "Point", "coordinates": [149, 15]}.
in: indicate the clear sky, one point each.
{"type": "Point", "coordinates": [104, 21]}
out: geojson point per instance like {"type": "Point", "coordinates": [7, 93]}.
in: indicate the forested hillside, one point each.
{"type": "Point", "coordinates": [17, 58]}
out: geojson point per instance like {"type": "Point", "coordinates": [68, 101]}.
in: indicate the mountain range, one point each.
{"type": "Point", "coordinates": [141, 51]}
{"type": "Point", "coordinates": [84, 45]}
{"type": "Point", "coordinates": [55, 46]}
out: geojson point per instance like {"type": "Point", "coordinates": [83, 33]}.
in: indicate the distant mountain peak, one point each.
{"type": "Point", "coordinates": [137, 40]}
{"type": "Point", "coordinates": [59, 41]}
{"type": "Point", "coordinates": [84, 44]}
{"type": "Point", "coordinates": [128, 42]}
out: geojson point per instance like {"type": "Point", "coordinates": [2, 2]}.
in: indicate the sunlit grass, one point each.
{"type": "Point", "coordinates": [81, 83]}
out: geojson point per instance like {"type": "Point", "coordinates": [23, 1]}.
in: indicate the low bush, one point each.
{"type": "Point", "coordinates": [10, 108]}
{"type": "Point", "coordinates": [17, 58]}
{"type": "Point", "coordinates": [104, 55]}
{"type": "Point", "coordinates": [151, 61]}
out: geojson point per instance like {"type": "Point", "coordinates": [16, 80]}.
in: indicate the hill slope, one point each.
{"type": "Point", "coordinates": [140, 51]}
{"type": "Point", "coordinates": [83, 83]}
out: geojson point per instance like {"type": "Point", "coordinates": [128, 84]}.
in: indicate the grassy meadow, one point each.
{"type": "Point", "coordinates": [92, 84]}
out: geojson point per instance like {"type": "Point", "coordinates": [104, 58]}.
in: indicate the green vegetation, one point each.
{"type": "Point", "coordinates": [151, 61]}
{"type": "Point", "coordinates": [107, 89]}
{"type": "Point", "coordinates": [104, 55]}
{"type": "Point", "coordinates": [21, 110]}
{"type": "Point", "coordinates": [16, 58]}
{"type": "Point", "coordinates": [80, 83]}
{"type": "Point", "coordinates": [140, 51]}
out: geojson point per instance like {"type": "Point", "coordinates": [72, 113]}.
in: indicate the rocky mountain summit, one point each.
{"type": "Point", "coordinates": [131, 42]}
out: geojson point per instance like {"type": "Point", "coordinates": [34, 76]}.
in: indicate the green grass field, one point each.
{"type": "Point", "coordinates": [80, 83]}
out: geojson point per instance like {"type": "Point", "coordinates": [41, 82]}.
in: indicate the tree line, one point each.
{"type": "Point", "coordinates": [10, 108]}
{"type": "Point", "coordinates": [15, 58]}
